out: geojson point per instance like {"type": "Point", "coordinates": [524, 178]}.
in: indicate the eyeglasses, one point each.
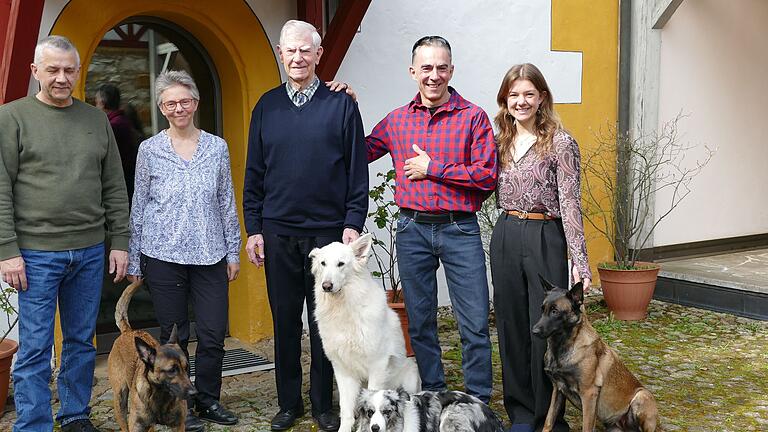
{"type": "Point", "coordinates": [171, 105]}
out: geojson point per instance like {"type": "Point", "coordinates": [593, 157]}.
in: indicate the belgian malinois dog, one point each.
{"type": "Point", "coordinates": [587, 371]}
{"type": "Point", "coordinates": [149, 380]}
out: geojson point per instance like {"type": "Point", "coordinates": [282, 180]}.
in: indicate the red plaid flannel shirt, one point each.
{"type": "Point", "coordinates": [459, 140]}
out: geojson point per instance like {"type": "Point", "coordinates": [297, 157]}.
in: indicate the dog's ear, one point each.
{"type": "Point", "coordinates": [362, 247]}
{"type": "Point", "coordinates": [313, 253]}
{"type": "Point", "coordinates": [402, 394]}
{"type": "Point", "coordinates": [174, 338]}
{"type": "Point", "coordinates": [577, 293]}
{"type": "Point", "coordinates": [146, 353]}
{"type": "Point", "coordinates": [545, 284]}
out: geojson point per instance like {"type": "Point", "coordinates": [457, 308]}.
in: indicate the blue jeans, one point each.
{"type": "Point", "coordinates": [421, 247]}
{"type": "Point", "coordinates": [74, 279]}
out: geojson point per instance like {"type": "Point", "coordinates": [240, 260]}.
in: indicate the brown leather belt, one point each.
{"type": "Point", "coordinates": [530, 215]}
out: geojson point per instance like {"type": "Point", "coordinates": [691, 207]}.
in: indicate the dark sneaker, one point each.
{"type": "Point", "coordinates": [83, 425]}
{"type": "Point", "coordinates": [217, 414]}
{"type": "Point", "coordinates": [192, 423]}
{"type": "Point", "coordinates": [327, 421]}
{"type": "Point", "coordinates": [285, 419]}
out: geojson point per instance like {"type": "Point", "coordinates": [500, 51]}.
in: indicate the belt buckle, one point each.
{"type": "Point", "coordinates": [523, 214]}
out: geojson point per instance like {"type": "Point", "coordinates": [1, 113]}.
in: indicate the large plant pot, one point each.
{"type": "Point", "coordinates": [8, 347]}
{"type": "Point", "coordinates": [399, 308]}
{"type": "Point", "coordinates": [628, 292]}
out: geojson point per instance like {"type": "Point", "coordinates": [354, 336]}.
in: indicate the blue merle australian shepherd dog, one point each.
{"type": "Point", "coordinates": [445, 411]}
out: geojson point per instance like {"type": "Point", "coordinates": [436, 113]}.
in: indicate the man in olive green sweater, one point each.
{"type": "Point", "coordinates": [61, 183]}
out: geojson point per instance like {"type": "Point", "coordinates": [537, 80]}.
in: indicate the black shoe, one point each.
{"type": "Point", "coordinates": [284, 419]}
{"type": "Point", "coordinates": [192, 423]}
{"type": "Point", "coordinates": [83, 425]}
{"type": "Point", "coordinates": [217, 414]}
{"type": "Point", "coordinates": [327, 421]}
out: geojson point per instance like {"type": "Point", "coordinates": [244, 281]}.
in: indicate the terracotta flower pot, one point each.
{"type": "Point", "coordinates": [628, 292]}
{"type": "Point", "coordinates": [7, 348]}
{"type": "Point", "coordinates": [399, 308]}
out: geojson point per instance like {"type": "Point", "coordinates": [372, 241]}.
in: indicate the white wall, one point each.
{"type": "Point", "coordinates": [714, 65]}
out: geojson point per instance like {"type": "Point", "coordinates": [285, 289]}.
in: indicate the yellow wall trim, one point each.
{"type": "Point", "coordinates": [591, 28]}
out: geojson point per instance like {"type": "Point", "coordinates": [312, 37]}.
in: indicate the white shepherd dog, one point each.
{"type": "Point", "coordinates": [361, 335]}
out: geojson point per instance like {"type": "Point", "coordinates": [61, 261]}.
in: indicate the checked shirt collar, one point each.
{"type": "Point", "coordinates": [455, 102]}
{"type": "Point", "coordinates": [300, 97]}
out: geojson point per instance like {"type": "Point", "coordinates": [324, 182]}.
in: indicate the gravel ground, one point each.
{"type": "Point", "coordinates": [708, 371]}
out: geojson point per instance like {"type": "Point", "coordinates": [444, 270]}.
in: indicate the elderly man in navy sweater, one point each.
{"type": "Point", "coordinates": [306, 185]}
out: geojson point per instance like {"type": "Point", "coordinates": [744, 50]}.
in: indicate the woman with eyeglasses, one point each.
{"type": "Point", "coordinates": [185, 236]}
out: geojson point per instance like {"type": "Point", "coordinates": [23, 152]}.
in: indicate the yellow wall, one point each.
{"type": "Point", "coordinates": [591, 27]}
{"type": "Point", "coordinates": [240, 50]}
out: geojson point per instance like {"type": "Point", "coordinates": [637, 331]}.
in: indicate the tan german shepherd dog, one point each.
{"type": "Point", "coordinates": [587, 371]}
{"type": "Point", "coordinates": [149, 380]}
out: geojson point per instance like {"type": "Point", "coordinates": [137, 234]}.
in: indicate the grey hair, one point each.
{"type": "Point", "coordinates": [55, 42]}
{"type": "Point", "coordinates": [168, 79]}
{"type": "Point", "coordinates": [296, 27]}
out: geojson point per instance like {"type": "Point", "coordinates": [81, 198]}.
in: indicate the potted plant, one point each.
{"type": "Point", "coordinates": [619, 202]}
{"type": "Point", "coordinates": [8, 347]}
{"type": "Point", "coordinates": [384, 214]}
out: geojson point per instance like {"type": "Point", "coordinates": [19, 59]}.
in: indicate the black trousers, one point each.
{"type": "Point", "coordinates": [289, 284]}
{"type": "Point", "coordinates": [520, 251]}
{"type": "Point", "coordinates": [172, 286]}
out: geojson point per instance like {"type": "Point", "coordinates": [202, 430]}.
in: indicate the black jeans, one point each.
{"type": "Point", "coordinates": [172, 286]}
{"type": "Point", "coordinates": [289, 284]}
{"type": "Point", "coordinates": [521, 250]}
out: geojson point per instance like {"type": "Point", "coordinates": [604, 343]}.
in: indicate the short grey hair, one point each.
{"type": "Point", "coordinates": [168, 79]}
{"type": "Point", "coordinates": [432, 41]}
{"type": "Point", "coordinates": [55, 42]}
{"type": "Point", "coordinates": [296, 27]}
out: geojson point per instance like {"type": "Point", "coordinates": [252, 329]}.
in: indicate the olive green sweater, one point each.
{"type": "Point", "coordinates": [61, 181]}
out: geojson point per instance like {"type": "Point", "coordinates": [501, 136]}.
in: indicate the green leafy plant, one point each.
{"type": "Point", "coordinates": [618, 195]}
{"type": "Point", "coordinates": [384, 214]}
{"type": "Point", "coordinates": [486, 218]}
{"type": "Point", "coordinates": [7, 308]}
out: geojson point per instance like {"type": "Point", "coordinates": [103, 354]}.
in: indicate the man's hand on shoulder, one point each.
{"type": "Point", "coordinates": [14, 273]}
{"type": "Point", "coordinates": [118, 264]}
{"type": "Point", "coordinates": [255, 249]}
{"type": "Point", "coordinates": [337, 86]}
{"type": "Point", "coordinates": [349, 235]}
{"type": "Point", "coordinates": [415, 168]}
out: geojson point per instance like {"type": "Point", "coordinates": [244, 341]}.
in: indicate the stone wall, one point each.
{"type": "Point", "coordinates": [128, 69]}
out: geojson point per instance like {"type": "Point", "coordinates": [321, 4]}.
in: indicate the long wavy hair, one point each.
{"type": "Point", "coordinates": [547, 121]}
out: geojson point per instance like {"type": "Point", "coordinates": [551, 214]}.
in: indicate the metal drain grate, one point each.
{"type": "Point", "coordinates": [237, 361]}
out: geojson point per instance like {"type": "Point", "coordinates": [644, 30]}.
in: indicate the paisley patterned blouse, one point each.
{"type": "Point", "coordinates": [552, 185]}
{"type": "Point", "coordinates": [183, 211]}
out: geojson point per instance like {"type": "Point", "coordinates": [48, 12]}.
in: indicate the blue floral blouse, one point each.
{"type": "Point", "coordinates": [183, 211]}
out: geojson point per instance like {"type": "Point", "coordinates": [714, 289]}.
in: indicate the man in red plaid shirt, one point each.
{"type": "Point", "coordinates": [444, 154]}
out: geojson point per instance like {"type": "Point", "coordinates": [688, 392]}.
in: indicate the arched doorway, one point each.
{"type": "Point", "coordinates": [241, 54]}
{"type": "Point", "coordinates": [129, 57]}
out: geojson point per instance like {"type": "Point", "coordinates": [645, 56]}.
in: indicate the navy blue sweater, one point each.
{"type": "Point", "coordinates": [307, 167]}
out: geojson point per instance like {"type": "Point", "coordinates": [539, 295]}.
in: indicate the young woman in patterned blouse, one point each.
{"type": "Point", "coordinates": [185, 236]}
{"type": "Point", "coordinates": [540, 193]}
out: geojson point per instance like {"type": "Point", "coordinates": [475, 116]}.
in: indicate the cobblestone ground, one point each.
{"type": "Point", "coordinates": [708, 371]}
